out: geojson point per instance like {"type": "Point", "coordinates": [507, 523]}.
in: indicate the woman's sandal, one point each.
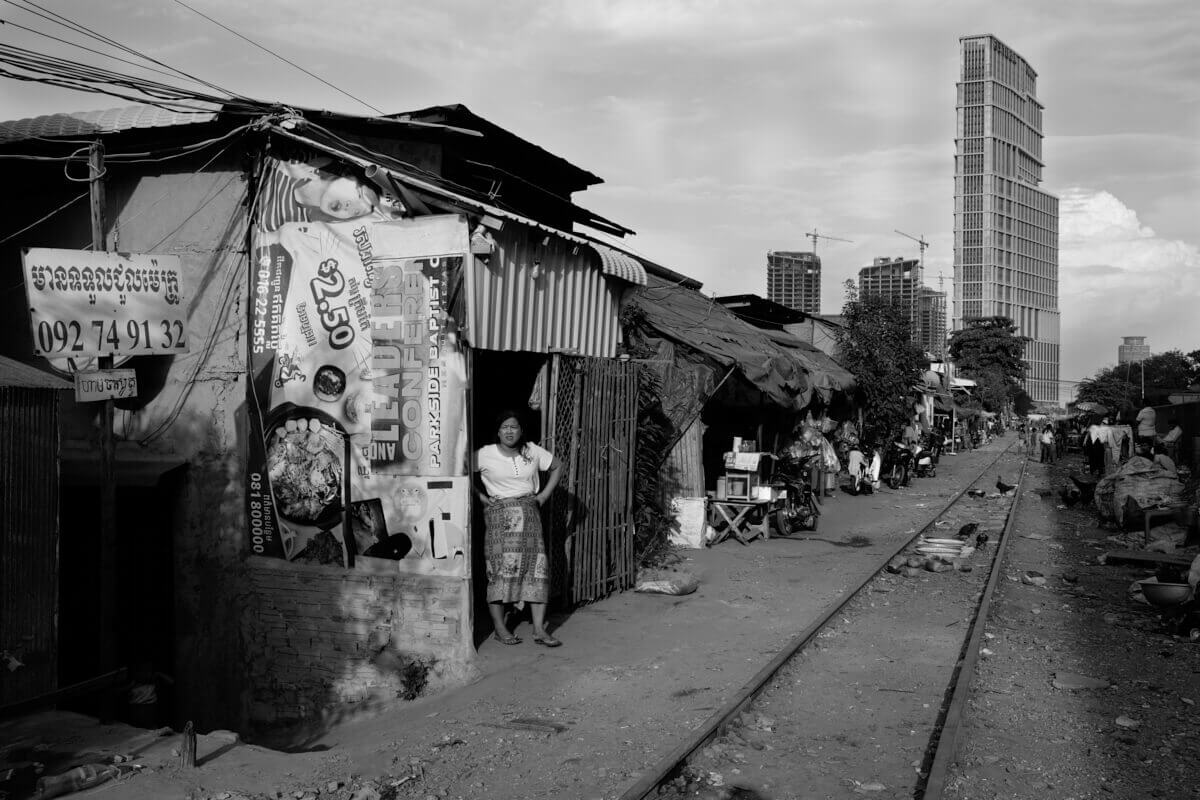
{"type": "Point", "coordinates": [509, 639]}
{"type": "Point", "coordinates": [547, 641]}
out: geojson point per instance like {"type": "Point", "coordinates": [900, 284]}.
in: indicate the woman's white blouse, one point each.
{"type": "Point", "coordinates": [512, 476]}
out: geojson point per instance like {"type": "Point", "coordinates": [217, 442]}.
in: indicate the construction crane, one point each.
{"type": "Point", "coordinates": [814, 236]}
{"type": "Point", "coordinates": [921, 243]}
{"type": "Point", "coordinates": [920, 240]}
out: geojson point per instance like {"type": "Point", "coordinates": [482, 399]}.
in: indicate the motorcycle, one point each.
{"type": "Point", "coordinates": [863, 469]}
{"type": "Point", "coordinates": [923, 462]}
{"type": "Point", "coordinates": [800, 510]}
{"type": "Point", "coordinates": [897, 460]}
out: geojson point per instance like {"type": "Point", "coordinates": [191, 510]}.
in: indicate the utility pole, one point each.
{"type": "Point", "coordinates": [108, 484]}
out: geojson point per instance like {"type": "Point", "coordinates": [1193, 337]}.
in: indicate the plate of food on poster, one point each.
{"type": "Point", "coordinates": [306, 453]}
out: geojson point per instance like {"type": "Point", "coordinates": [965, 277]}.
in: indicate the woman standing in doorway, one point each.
{"type": "Point", "coordinates": [509, 485]}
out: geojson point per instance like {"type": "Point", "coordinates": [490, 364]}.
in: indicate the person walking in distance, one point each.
{"type": "Point", "coordinates": [1047, 440]}
{"type": "Point", "coordinates": [1147, 424]}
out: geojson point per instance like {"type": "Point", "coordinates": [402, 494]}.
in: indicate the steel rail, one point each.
{"type": "Point", "coordinates": [947, 741]}
{"type": "Point", "coordinates": [646, 785]}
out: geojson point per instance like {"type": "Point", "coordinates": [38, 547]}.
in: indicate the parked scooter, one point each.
{"type": "Point", "coordinates": [800, 510]}
{"type": "Point", "coordinates": [897, 461]}
{"type": "Point", "coordinates": [922, 462]}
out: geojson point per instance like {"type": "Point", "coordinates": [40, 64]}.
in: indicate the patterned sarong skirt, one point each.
{"type": "Point", "coordinates": [517, 568]}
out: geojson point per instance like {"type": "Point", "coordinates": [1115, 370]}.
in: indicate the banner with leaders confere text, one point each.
{"type": "Point", "coordinates": [357, 382]}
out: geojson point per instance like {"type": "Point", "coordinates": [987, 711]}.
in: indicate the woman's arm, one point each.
{"type": "Point", "coordinates": [480, 489]}
{"type": "Point", "coordinates": [555, 472]}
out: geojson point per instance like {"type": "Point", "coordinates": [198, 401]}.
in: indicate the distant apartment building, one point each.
{"type": "Point", "coordinates": [1133, 350]}
{"type": "Point", "coordinates": [1005, 227]}
{"type": "Point", "coordinates": [931, 321]}
{"type": "Point", "coordinates": [900, 281]}
{"type": "Point", "coordinates": [794, 280]}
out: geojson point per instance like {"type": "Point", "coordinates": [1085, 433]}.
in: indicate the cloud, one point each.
{"type": "Point", "coordinates": [1117, 277]}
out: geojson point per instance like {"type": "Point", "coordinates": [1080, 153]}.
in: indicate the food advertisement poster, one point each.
{"type": "Point", "coordinates": [357, 382]}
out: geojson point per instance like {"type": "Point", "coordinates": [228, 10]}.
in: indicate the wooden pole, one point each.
{"type": "Point", "coordinates": [187, 746]}
{"type": "Point", "coordinates": [108, 484]}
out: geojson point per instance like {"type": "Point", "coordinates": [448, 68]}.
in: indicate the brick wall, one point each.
{"type": "Point", "coordinates": [318, 638]}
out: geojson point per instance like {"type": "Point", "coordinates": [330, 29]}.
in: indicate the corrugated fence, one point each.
{"type": "Point", "coordinates": [28, 542]}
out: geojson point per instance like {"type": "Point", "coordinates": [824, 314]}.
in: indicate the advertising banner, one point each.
{"type": "Point", "coordinates": [357, 383]}
{"type": "Point", "coordinates": [85, 303]}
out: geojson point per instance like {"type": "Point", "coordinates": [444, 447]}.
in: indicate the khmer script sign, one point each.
{"type": "Point", "coordinates": [105, 384]}
{"type": "Point", "coordinates": [84, 303]}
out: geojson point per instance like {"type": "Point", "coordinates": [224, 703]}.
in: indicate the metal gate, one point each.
{"type": "Point", "coordinates": [592, 428]}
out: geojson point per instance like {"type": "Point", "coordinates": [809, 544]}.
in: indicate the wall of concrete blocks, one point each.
{"type": "Point", "coordinates": [321, 640]}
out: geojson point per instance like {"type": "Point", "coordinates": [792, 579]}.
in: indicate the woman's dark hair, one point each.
{"type": "Point", "coordinates": [507, 414]}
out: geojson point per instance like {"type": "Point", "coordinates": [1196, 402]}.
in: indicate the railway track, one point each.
{"type": "Point", "coordinates": [795, 727]}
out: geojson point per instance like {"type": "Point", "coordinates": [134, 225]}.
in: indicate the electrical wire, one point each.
{"type": "Point", "coordinates": [40, 220]}
{"type": "Point", "coordinates": [223, 306]}
{"type": "Point", "coordinates": [276, 55]}
{"type": "Point", "coordinates": [88, 49]}
{"type": "Point", "coordinates": [70, 24]}
{"type": "Point", "coordinates": [153, 204]}
{"type": "Point", "coordinates": [64, 69]}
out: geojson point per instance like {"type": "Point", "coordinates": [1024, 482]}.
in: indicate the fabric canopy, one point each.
{"type": "Point", "coordinates": [785, 371]}
{"type": "Point", "coordinates": [825, 374]}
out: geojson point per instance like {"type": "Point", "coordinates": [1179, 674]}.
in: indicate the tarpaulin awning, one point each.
{"type": "Point", "coordinates": [689, 318]}
{"type": "Point", "coordinates": [825, 374]}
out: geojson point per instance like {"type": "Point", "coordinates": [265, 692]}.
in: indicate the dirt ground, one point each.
{"type": "Point", "coordinates": [636, 673]}
{"type": "Point", "coordinates": [853, 714]}
{"type": "Point", "coordinates": [1139, 735]}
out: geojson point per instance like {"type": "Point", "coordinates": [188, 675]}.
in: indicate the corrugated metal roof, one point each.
{"type": "Point", "coordinates": [92, 123]}
{"type": "Point", "coordinates": [424, 185]}
{"type": "Point", "coordinates": [539, 294]}
{"type": "Point", "coordinates": [615, 263]}
{"type": "Point", "coordinates": [16, 374]}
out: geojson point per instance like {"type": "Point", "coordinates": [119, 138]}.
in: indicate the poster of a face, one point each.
{"type": "Point", "coordinates": [357, 382]}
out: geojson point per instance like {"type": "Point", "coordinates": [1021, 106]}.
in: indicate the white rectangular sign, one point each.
{"type": "Point", "coordinates": [83, 303]}
{"type": "Point", "coordinates": [104, 384]}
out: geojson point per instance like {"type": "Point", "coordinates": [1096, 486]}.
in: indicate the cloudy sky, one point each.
{"type": "Point", "coordinates": [727, 129]}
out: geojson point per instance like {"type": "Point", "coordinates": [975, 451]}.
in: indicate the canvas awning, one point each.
{"type": "Point", "coordinates": [825, 374]}
{"type": "Point", "coordinates": [785, 371]}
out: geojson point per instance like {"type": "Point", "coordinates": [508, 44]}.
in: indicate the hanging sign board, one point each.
{"type": "Point", "coordinates": [105, 384]}
{"type": "Point", "coordinates": [84, 303]}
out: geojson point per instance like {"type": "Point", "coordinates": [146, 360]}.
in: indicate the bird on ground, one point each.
{"type": "Point", "coordinates": [1002, 487]}
{"type": "Point", "coordinates": [976, 493]}
{"type": "Point", "coordinates": [1087, 488]}
{"type": "Point", "coordinates": [981, 539]}
{"type": "Point", "coordinates": [1069, 495]}
{"type": "Point", "coordinates": [967, 530]}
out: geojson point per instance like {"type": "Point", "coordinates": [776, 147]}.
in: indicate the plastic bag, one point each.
{"type": "Point", "coordinates": [666, 582]}
{"type": "Point", "coordinates": [1146, 483]}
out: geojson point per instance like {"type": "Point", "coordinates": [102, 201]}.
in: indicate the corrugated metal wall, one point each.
{"type": "Point", "coordinates": [538, 293]}
{"type": "Point", "coordinates": [28, 541]}
{"type": "Point", "coordinates": [683, 471]}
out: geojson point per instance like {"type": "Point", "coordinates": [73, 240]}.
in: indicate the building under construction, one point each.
{"type": "Point", "coordinates": [900, 281]}
{"type": "Point", "coordinates": [794, 280]}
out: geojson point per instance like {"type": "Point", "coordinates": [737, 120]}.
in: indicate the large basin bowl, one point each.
{"type": "Point", "coordinates": [1165, 595]}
